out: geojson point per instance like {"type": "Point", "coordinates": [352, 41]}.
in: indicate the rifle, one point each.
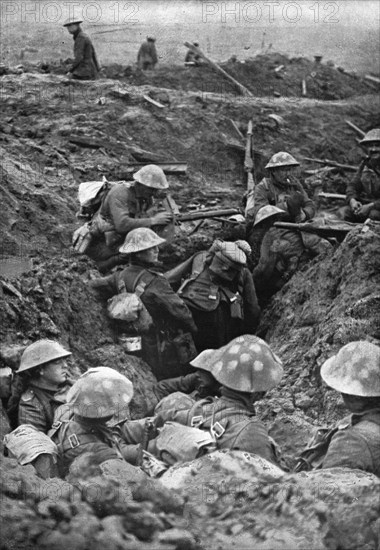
{"type": "Point", "coordinates": [339, 231]}
{"type": "Point", "coordinates": [248, 161]}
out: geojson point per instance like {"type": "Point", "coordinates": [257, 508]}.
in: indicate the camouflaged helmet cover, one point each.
{"type": "Point", "coordinates": [354, 370]}
{"type": "Point", "coordinates": [371, 136]}
{"type": "Point", "coordinates": [140, 239]}
{"type": "Point", "coordinates": [230, 250]}
{"type": "Point", "coordinates": [266, 212]}
{"type": "Point", "coordinates": [100, 392]}
{"type": "Point", "coordinates": [151, 176]}
{"type": "Point", "coordinates": [41, 352]}
{"type": "Point", "coordinates": [282, 159]}
{"type": "Point", "coordinates": [245, 364]}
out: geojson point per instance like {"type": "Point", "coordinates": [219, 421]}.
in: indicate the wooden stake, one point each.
{"type": "Point", "coordinates": [242, 89]}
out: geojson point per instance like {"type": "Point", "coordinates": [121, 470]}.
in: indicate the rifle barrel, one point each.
{"type": "Point", "coordinates": [204, 214]}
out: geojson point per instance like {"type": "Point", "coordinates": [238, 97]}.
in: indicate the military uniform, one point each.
{"type": "Point", "coordinates": [233, 425]}
{"type": "Point", "coordinates": [37, 406]}
{"type": "Point", "coordinates": [356, 444]}
{"type": "Point", "coordinates": [85, 66]}
{"type": "Point", "coordinates": [266, 192]}
{"type": "Point", "coordinates": [221, 309]}
{"type": "Point", "coordinates": [365, 186]}
{"type": "Point", "coordinates": [74, 436]}
{"type": "Point", "coordinates": [168, 311]}
{"type": "Point", "coordinates": [147, 55]}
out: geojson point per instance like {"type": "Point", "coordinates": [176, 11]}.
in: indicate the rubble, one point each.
{"type": "Point", "coordinates": [324, 306]}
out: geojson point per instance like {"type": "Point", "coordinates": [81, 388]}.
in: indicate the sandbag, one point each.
{"type": "Point", "coordinates": [26, 443]}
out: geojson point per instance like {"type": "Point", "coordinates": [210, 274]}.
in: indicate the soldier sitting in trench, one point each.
{"type": "Point", "coordinates": [40, 386]}
{"type": "Point", "coordinates": [363, 192]}
{"type": "Point", "coordinates": [246, 368]}
{"type": "Point", "coordinates": [282, 252]}
{"type": "Point", "coordinates": [355, 441]}
{"type": "Point", "coordinates": [220, 293]}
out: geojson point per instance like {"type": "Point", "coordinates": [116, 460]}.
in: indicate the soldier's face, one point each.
{"type": "Point", "coordinates": [374, 152]}
{"type": "Point", "coordinates": [150, 256]}
{"type": "Point", "coordinates": [72, 28]}
{"type": "Point", "coordinates": [54, 372]}
{"type": "Point", "coordinates": [280, 175]}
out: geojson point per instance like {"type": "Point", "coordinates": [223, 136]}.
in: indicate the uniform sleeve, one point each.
{"type": "Point", "coordinates": [30, 411]}
{"type": "Point", "coordinates": [162, 302]}
{"type": "Point", "coordinates": [105, 286]}
{"type": "Point", "coordinates": [185, 384]}
{"type": "Point", "coordinates": [308, 205]}
{"type": "Point", "coordinates": [251, 307]}
{"type": "Point", "coordinates": [79, 50]}
{"type": "Point", "coordinates": [268, 258]}
{"type": "Point", "coordinates": [253, 438]}
{"type": "Point", "coordinates": [348, 450]}
{"type": "Point", "coordinates": [354, 187]}
{"type": "Point", "coordinates": [119, 213]}
{"type": "Point", "coordinates": [260, 198]}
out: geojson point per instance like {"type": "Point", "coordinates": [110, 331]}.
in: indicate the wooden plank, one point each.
{"type": "Point", "coordinates": [356, 128]}
{"type": "Point", "coordinates": [372, 78]}
{"type": "Point", "coordinates": [153, 102]}
{"type": "Point", "coordinates": [242, 89]}
{"type": "Point", "coordinates": [167, 167]}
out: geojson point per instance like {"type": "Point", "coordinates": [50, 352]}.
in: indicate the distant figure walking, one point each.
{"type": "Point", "coordinates": [85, 66]}
{"type": "Point", "coordinates": [147, 55]}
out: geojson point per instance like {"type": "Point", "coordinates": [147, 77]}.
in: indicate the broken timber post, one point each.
{"type": "Point", "coordinates": [356, 128]}
{"type": "Point", "coordinates": [332, 163]}
{"type": "Point", "coordinates": [242, 89]}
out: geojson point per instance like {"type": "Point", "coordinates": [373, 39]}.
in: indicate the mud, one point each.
{"type": "Point", "coordinates": [44, 293]}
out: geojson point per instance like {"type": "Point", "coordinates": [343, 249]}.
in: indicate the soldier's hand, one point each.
{"type": "Point", "coordinates": [365, 210]}
{"type": "Point", "coordinates": [162, 218]}
{"type": "Point", "coordinates": [355, 206]}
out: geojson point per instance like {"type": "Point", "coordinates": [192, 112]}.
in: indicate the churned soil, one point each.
{"type": "Point", "coordinates": [44, 293]}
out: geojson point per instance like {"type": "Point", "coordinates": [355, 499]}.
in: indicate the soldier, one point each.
{"type": "Point", "coordinates": [220, 294]}
{"type": "Point", "coordinates": [169, 313]}
{"type": "Point", "coordinates": [80, 426]}
{"type": "Point", "coordinates": [126, 207]}
{"type": "Point", "coordinates": [147, 54]}
{"type": "Point", "coordinates": [355, 373]}
{"type": "Point", "coordinates": [283, 189]}
{"type": "Point", "coordinates": [42, 384]}
{"type": "Point", "coordinates": [363, 192]}
{"type": "Point", "coordinates": [85, 66]}
{"type": "Point", "coordinates": [246, 368]}
{"type": "Point", "coordinates": [282, 251]}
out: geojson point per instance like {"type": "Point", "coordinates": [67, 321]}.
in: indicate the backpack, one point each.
{"type": "Point", "coordinates": [91, 195]}
{"type": "Point", "coordinates": [127, 306]}
{"type": "Point", "coordinates": [205, 295]}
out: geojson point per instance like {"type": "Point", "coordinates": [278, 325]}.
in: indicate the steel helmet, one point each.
{"type": "Point", "coordinates": [100, 392]}
{"type": "Point", "coordinates": [354, 370]}
{"type": "Point", "coordinates": [282, 159]}
{"type": "Point", "coordinates": [372, 135]}
{"type": "Point", "coordinates": [230, 250]}
{"type": "Point", "coordinates": [151, 176]}
{"type": "Point", "coordinates": [72, 21]}
{"type": "Point", "coordinates": [245, 364]}
{"type": "Point", "coordinates": [140, 239]}
{"type": "Point", "coordinates": [266, 212]}
{"type": "Point", "coordinates": [41, 352]}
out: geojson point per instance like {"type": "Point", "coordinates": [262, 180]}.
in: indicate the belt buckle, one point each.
{"type": "Point", "coordinates": [73, 440]}
{"type": "Point", "coordinates": [217, 430]}
{"type": "Point", "coordinates": [196, 421]}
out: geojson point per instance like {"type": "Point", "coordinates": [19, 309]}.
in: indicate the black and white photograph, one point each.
{"type": "Point", "coordinates": [190, 275]}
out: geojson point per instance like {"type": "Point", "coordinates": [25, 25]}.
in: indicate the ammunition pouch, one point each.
{"type": "Point", "coordinates": [178, 443]}
{"type": "Point", "coordinates": [200, 294]}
